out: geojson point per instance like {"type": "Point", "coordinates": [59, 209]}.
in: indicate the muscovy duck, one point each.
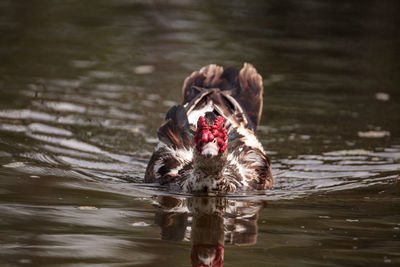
{"type": "Point", "coordinates": [208, 143]}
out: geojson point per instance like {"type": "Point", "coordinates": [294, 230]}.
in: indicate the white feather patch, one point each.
{"type": "Point", "coordinates": [193, 117]}
{"type": "Point", "coordinates": [240, 168]}
{"type": "Point", "coordinates": [183, 156]}
{"type": "Point", "coordinates": [249, 138]}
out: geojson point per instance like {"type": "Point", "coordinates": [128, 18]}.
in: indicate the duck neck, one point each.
{"type": "Point", "coordinates": [209, 167]}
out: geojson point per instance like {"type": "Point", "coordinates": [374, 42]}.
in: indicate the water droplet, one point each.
{"type": "Point", "coordinates": [140, 224]}
{"type": "Point", "coordinates": [352, 220]}
{"type": "Point", "coordinates": [373, 134]}
{"type": "Point", "coordinates": [87, 208]}
{"type": "Point", "coordinates": [144, 69]}
{"type": "Point", "coordinates": [386, 260]}
{"type": "Point", "coordinates": [381, 96]}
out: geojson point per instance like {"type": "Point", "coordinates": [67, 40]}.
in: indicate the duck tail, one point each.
{"type": "Point", "coordinates": [245, 86]}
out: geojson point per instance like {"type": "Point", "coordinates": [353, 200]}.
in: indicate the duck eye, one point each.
{"type": "Point", "coordinates": [215, 140]}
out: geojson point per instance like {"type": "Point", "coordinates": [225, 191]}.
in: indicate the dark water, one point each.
{"type": "Point", "coordinates": [78, 123]}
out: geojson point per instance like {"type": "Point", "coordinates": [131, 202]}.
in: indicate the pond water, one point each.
{"type": "Point", "coordinates": [86, 84]}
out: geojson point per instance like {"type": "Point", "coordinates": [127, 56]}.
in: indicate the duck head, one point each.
{"type": "Point", "coordinates": [210, 154]}
{"type": "Point", "coordinates": [211, 135]}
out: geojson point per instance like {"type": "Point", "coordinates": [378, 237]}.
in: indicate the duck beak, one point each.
{"type": "Point", "coordinates": [210, 150]}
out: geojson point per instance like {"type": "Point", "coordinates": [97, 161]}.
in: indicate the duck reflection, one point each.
{"type": "Point", "coordinates": [209, 223]}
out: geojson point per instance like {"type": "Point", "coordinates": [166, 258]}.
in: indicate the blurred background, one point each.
{"type": "Point", "coordinates": [84, 86]}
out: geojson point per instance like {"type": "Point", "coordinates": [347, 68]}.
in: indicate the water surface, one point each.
{"type": "Point", "coordinates": [85, 86]}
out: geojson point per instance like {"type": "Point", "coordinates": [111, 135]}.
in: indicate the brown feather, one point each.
{"type": "Point", "coordinates": [167, 133]}
{"type": "Point", "coordinates": [149, 176]}
{"type": "Point", "coordinates": [206, 77]}
{"type": "Point", "coordinates": [245, 87]}
{"type": "Point", "coordinates": [175, 130]}
{"type": "Point", "coordinates": [250, 96]}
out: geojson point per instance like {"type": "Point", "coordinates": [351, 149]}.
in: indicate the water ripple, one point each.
{"type": "Point", "coordinates": [69, 143]}
{"type": "Point", "coordinates": [26, 114]}
{"type": "Point", "coordinates": [43, 128]}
